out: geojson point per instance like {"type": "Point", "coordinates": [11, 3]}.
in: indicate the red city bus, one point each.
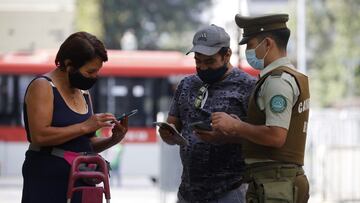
{"type": "Point", "coordinates": [143, 80]}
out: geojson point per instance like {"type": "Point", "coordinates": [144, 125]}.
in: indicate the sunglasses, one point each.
{"type": "Point", "coordinates": [201, 97]}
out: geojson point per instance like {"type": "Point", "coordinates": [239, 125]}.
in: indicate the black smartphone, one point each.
{"type": "Point", "coordinates": [202, 125]}
{"type": "Point", "coordinates": [127, 114]}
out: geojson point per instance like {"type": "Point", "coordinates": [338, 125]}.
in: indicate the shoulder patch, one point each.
{"type": "Point", "coordinates": [278, 103]}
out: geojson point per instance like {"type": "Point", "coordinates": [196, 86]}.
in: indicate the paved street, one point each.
{"type": "Point", "coordinates": [133, 190]}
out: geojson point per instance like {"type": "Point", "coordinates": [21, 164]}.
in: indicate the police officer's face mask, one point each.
{"type": "Point", "coordinates": [79, 81]}
{"type": "Point", "coordinates": [253, 60]}
{"type": "Point", "coordinates": [211, 76]}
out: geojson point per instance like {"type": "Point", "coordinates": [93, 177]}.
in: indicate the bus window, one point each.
{"type": "Point", "coordinates": [24, 81]}
{"type": "Point", "coordinates": [12, 91]}
{"type": "Point", "coordinates": [8, 99]}
{"type": "Point", "coordinates": [118, 95]}
{"type": "Point", "coordinates": [110, 94]}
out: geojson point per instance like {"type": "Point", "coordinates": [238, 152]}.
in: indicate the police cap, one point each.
{"type": "Point", "coordinates": [258, 24]}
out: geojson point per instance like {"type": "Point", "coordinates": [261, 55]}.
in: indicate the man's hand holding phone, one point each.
{"type": "Point", "coordinates": [169, 134]}
{"type": "Point", "coordinates": [202, 125]}
{"type": "Point", "coordinates": [205, 131]}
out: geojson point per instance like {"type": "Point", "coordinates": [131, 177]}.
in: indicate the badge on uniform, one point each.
{"type": "Point", "coordinates": [278, 103]}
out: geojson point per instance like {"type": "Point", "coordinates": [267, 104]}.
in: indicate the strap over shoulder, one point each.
{"type": "Point", "coordinates": [46, 77]}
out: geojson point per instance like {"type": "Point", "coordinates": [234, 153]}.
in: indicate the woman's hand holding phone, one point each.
{"type": "Point", "coordinates": [121, 126]}
{"type": "Point", "coordinates": [97, 121]}
{"type": "Point", "coordinates": [126, 115]}
{"type": "Point", "coordinates": [119, 130]}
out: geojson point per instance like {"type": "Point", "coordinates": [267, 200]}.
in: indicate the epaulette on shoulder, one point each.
{"type": "Point", "coordinates": [277, 73]}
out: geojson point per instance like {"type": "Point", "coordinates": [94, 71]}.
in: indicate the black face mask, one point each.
{"type": "Point", "coordinates": [211, 76]}
{"type": "Point", "coordinates": [79, 81]}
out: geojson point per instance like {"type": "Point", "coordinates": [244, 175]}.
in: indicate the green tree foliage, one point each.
{"type": "Point", "coordinates": [156, 24]}
{"type": "Point", "coordinates": [333, 28]}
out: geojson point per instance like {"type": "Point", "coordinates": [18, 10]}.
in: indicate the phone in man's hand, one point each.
{"type": "Point", "coordinates": [202, 125]}
{"type": "Point", "coordinates": [180, 139]}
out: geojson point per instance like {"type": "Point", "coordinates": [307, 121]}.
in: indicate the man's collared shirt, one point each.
{"type": "Point", "coordinates": [209, 171]}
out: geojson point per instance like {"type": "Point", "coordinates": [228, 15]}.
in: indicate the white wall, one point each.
{"type": "Point", "coordinates": [35, 24]}
{"type": "Point", "coordinates": [12, 155]}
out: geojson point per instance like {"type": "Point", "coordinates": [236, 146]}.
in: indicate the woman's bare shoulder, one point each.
{"type": "Point", "coordinates": [39, 87]}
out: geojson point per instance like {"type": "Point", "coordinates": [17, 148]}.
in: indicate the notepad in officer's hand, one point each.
{"type": "Point", "coordinates": [178, 137]}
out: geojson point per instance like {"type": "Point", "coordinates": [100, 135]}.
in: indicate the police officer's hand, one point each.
{"type": "Point", "coordinates": [97, 121]}
{"type": "Point", "coordinates": [213, 137]}
{"type": "Point", "coordinates": [225, 123]}
{"type": "Point", "coordinates": [119, 130]}
{"type": "Point", "coordinates": [167, 136]}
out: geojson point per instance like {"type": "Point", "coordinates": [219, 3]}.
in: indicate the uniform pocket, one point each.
{"type": "Point", "coordinates": [279, 191]}
{"type": "Point", "coordinates": [271, 191]}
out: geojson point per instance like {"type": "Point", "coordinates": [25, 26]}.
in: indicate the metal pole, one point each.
{"type": "Point", "coordinates": [301, 34]}
{"type": "Point", "coordinates": [244, 8]}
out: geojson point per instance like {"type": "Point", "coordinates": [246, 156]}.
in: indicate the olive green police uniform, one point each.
{"type": "Point", "coordinates": [280, 98]}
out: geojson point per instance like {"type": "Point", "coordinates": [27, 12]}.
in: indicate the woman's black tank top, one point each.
{"type": "Point", "coordinates": [63, 116]}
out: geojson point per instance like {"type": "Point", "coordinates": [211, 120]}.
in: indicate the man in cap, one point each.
{"type": "Point", "coordinates": [274, 133]}
{"type": "Point", "coordinates": [212, 170]}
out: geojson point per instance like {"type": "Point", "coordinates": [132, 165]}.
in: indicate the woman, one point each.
{"type": "Point", "coordinates": [58, 116]}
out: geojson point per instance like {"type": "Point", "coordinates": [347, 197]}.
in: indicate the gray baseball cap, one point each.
{"type": "Point", "coordinates": [209, 40]}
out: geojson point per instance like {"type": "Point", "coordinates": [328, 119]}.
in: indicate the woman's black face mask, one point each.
{"type": "Point", "coordinates": [79, 81]}
{"type": "Point", "coordinates": [211, 76]}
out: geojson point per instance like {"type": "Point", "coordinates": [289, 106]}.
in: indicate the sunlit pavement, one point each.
{"type": "Point", "coordinates": [133, 190]}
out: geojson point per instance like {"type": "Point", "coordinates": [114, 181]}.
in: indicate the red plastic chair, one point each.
{"type": "Point", "coordinates": [90, 194]}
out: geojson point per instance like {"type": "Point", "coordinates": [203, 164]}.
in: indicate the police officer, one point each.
{"type": "Point", "coordinates": [274, 132]}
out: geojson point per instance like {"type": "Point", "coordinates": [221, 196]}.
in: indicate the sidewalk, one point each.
{"type": "Point", "coordinates": [133, 190]}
